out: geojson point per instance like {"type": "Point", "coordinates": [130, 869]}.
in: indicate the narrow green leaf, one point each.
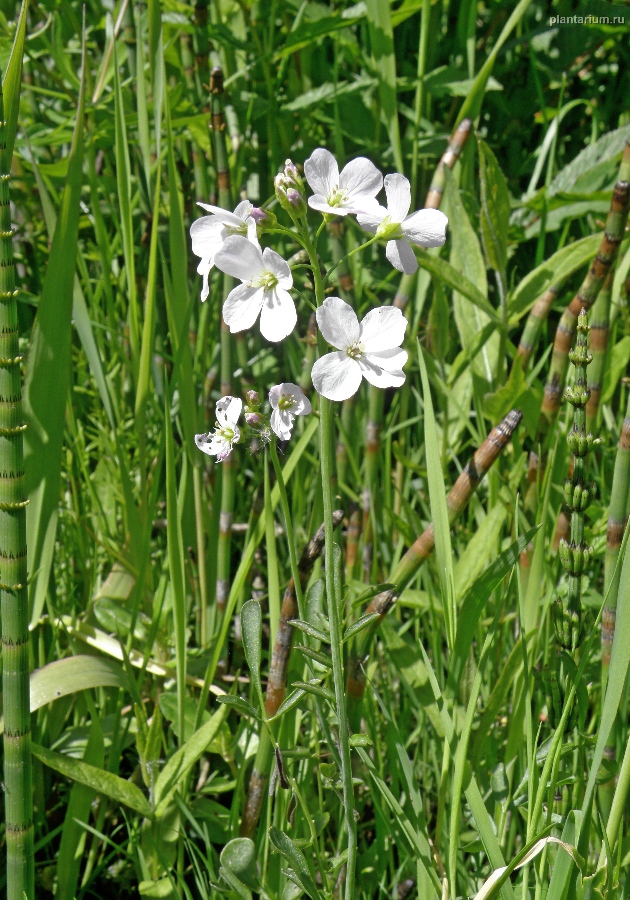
{"type": "Point", "coordinates": [251, 629]}
{"type": "Point", "coordinates": [382, 43]}
{"type": "Point", "coordinates": [359, 625]}
{"type": "Point", "coordinates": [296, 858]}
{"type": "Point", "coordinates": [103, 782]}
{"type": "Point", "coordinates": [309, 629]}
{"type": "Point", "coordinates": [313, 687]}
{"type": "Point", "coordinates": [448, 274]}
{"type": "Point", "coordinates": [240, 704]}
{"type": "Point", "coordinates": [11, 85]}
{"type": "Point", "coordinates": [182, 761]}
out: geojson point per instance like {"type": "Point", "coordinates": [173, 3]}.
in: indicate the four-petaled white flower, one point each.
{"type": "Point", "coordinates": [426, 228]}
{"type": "Point", "coordinates": [369, 350]}
{"type": "Point", "coordinates": [209, 233]}
{"type": "Point", "coordinates": [266, 278]}
{"type": "Point", "coordinates": [287, 401]}
{"type": "Point", "coordinates": [227, 433]}
{"type": "Point", "coordinates": [352, 191]}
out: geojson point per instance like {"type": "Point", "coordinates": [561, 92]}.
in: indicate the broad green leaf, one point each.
{"type": "Point", "coordinates": [382, 43]}
{"type": "Point", "coordinates": [308, 32]}
{"type": "Point", "coordinates": [182, 761]}
{"type": "Point", "coordinates": [498, 404]}
{"type": "Point", "coordinates": [103, 782]}
{"type": "Point", "coordinates": [296, 858]}
{"type": "Point", "coordinates": [48, 372]}
{"type": "Point", "coordinates": [239, 856]}
{"type": "Point", "coordinates": [495, 209]}
{"type": "Point", "coordinates": [11, 87]}
{"type": "Point", "coordinates": [448, 274]}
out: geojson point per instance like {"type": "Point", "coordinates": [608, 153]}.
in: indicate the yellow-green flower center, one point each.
{"type": "Point", "coordinates": [355, 351]}
{"type": "Point", "coordinates": [389, 230]}
{"type": "Point", "coordinates": [286, 401]}
{"type": "Point", "coordinates": [266, 280]}
{"type": "Point", "coordinates": [337, 198]}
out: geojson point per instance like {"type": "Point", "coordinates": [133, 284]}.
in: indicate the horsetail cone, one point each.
{"type": "Point", "coordinates": [575, 555]}
{"type": "Point", "coordinates": [18, 797]}
{"type": "Point", "coordinates": [586, 296]}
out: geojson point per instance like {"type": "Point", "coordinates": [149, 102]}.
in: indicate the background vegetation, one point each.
{"type": "Point", "coordinates": [466, 753]}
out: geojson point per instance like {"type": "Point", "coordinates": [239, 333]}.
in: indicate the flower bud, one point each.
{"type": "Point", "coordinates": [292, 177]}
{"type": "Point", "coordinates": [263, 218]}
{"type": "Point", "coordinates": [253, 400]}
{"type": "Point", "coordinates": [297, 202]}
{"type": "Point", "coordinates": [254, 419]}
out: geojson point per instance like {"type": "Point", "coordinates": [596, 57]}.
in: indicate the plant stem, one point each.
{"type": "Point", "coordinates": [18, 794]}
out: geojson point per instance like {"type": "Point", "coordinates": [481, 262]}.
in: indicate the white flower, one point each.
{"type": "Point", "coordinates": [209, 233]}
{"type": "Point", "coordinates": [266, 277]}
{"type": "Point", "coordinates": [353, 191]}
{"type": "Point", "coordinates": [287, 401]}
{"type": "Point", "coordinates": [369, 350]}
{"type": "Point", "coordinates": [227, 433]}
{"type": "Point", "coordinates": [426, 228]}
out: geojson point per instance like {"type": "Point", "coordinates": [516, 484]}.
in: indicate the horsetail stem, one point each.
{"type": "Point", "coordinates": [600, 319]}
{"type": "Point", "coordinates": [449, 158]}
{"type": "Point", "coordinates": [227, 467]}
{"type": "Point", "coordinates": [535, 321]}
{"type": "Point", "coordinates": [18, 794]}
{"type": "Point", "coordinates": [576, 555]}
{"type": "Point", "coordinates": [201, 46]}
{"type": "Point", "coordinates": [277, 680]}
{"type": "Point", "coordinates": [421, 549]}
{"type": "Point", "coordinates": [586, 296]}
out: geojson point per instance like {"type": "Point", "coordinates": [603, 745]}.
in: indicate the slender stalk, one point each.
{"type": "Point", "coordinates": [535, 321]}
{"type": "Point", "coordinates": [277, 679]}
{"type": "Point", "coordinates": [421, 549]}
{"type": "Point", "coordinates": [585, 297]}
{"type": "Point", "coordinates": [310, 341]}
{"type": "Point", "coordinates": [18, 793]}
{"type": "Point", "coordinates": [227, 467]}
{"type": "Point", "coordinates": [448, 160]}
{"type": "Point", "coordinates": [600, 327]}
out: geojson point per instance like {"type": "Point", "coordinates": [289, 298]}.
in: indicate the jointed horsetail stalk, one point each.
{"type": "Point", "coordinates": [449, 158]}
{"type": "Point", "coordinates": [421, 549]}
{"type": "Point", "coordinates": [277, 680]}
{"type": "Point", "coordinates": [535, 321]}
{"type": "Point", "coordinates": [576, 555]}
{"type": "Point", "coordinates": [600, 326]}
{"type": "Point", "coordinates": [586, 296]}
{"type": "Point", "coordinates": [201, 46]}
{"type": "Point", "coordinates": [617, 518]}
{"type": "Point", "coordinates": [18, 795]}
{"type": "Point", "coordinates": [227, 467]}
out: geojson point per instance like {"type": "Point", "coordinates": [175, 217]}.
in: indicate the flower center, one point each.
{"type": "Point", "coordinates": [355, 351]}
{"type": "Point", "coordinates": [286, 401]}
{"type": "Point", "coordinates": [389, 230]}
{"type": "Point", "coordinates": [236, 229]}
{"type": "Point", "coordinates": [337, 198]}
{"type": "Point", "coordinates": [226, 433]}
{"type": "Point", "coordinates": [266, 280]}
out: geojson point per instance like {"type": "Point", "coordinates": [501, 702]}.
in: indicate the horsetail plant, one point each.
{"type": "Point", "coordinates": [600, 327]}
{"type": "Point", "coordinates": [18, 797]}
{"type": "Point", "coordinates": [576, 555]}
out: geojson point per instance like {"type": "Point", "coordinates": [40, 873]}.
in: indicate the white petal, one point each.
{"type": "Point", "coordinates": [243, 210]}
{"type": "Point", "coordinates": [282, 423]}
{"type": "Point", "coordinates": [371, 220]}
{"type": "Point", "coordinates": [398, 192]}
{"type": "Point", "coordinates": [427, 227]}
{"type": "Point", "coordinates": [204, 267]}
{"type": "Point", "coordinates": [274, 395]}
{"type": "Point", "coordinates": [251, 232]}
{"type": "Point", "coordinates": [222, 215]}
{"type": "Point", "coordinates": [363, 204]}
{"type": "Point", "coordinates": [228, 410]}
{"type": "Point", "coordinates": [401, 256]}
{"type": "Point", "coordinates": [278, 317]}
{"type": "Point", "coordinates": [274, 263]}
{"type": "Point", "coordinates": [336, 376]}
{"type": "Point", "coordinates": [361, 176]}
{"type": "Point", "coordinates": [301, 404]}
{"type": "Point", "coordinates": [377, 375]}
{"type": "Point", "coordinates": [322, 172]}
{"type": "Point", "coordinates": [213, 445]}
{"type": "Point", "coordinates": [207, 235]}
{"type": "Point", "coordinates": [321, 204]}
{"type": "Point", "coordinates": [242, 306]}
{"type": "Point", "coordinates": [391, 360]}
{"type": "Point", "coordinates": [382, 329]}
{"type": "Point", "coordinates": [338, 323]}
{"type": "Point", "coordinates": [240, 258]}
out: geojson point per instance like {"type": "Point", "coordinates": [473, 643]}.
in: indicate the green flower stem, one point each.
{"type": "Point", "coordinates": [18, 793]}
{"type": "Point", "coordinates": [288, 524]}
{"type": "Point", "coordinates": [273, 583]}
{"type": "Point", "coordinates": [334, 602]}
{"type": "Point", "coordinates": [345, 258]}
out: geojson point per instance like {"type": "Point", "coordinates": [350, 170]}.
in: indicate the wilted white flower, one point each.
{"type": "Point", "coordinates": [352, 191]}
{"type": "Point", "coordinates": [369, 350]}
{"type": "Point", "coordinates": [227, 433]}
{"type": "Point", "coordinates": [287, 401]}
{"type": "Point", "coordinates": [426, 228]}
{"type": "Point", "coordinates": [209, 233]}
{"type": "Point", "coordinates": [266, 278]}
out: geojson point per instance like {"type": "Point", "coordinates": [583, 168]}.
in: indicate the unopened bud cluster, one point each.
{"type": "Point", "coordinates": [290, 190]}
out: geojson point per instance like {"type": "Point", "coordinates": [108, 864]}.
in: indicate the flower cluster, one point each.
{"type": "Point", "coordinates": [369, 349]}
